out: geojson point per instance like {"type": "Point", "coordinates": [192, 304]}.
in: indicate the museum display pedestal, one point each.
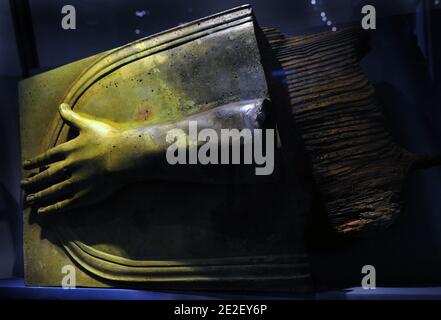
{"type": "Point", "coordinates": [15, 289]}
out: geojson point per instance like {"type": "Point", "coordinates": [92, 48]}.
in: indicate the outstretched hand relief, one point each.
{"type": "Point", "coordinates": [81, 171]}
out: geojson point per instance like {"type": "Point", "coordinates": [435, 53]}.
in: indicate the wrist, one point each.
{"type": "Point", "coordinates": [135, 156]}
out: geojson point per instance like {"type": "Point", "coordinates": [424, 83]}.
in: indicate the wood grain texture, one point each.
{"type": "Point", "coordinates": [358, 168]}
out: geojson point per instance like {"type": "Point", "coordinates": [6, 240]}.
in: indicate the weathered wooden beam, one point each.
{"type": "Point", "coordinates": [358, 168]}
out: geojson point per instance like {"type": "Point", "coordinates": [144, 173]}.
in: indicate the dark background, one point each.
{"type": "Point", "coordinates": [404, 65]}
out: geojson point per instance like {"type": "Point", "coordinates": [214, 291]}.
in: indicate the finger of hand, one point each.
{"type": "Point", "coordinates": [47, 157]}
{"type": "Point", "coordinates": [52, 173]}
{"type": "Point", "coordinates": [64, 205]}
{"type": "Point", "coordinates": [57, 207]}
{"type": "Point", "coordinates": [82, 198]}
{"type": "Point", "coordinates": [70, 116]}
{"type": "Point", "coordinates": [52, 192]}
{"type": "Point", "coordinates": [79, 120]}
